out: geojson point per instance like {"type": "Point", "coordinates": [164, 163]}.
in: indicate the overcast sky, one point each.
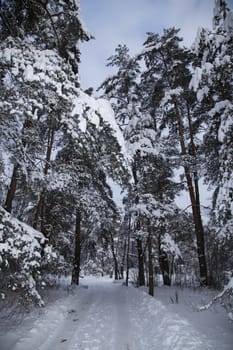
{"type": "Point", "coordinates": [114, 22]}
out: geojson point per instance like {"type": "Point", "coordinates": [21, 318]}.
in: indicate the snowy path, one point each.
{"type": "Point", "coordinates": [106, 316]}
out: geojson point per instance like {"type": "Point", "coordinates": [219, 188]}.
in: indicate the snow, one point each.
{"type": "Point", "coordinates": [225, 108]}
{"type": "Point", "coordinates": [29, 74]}
{"type": "Point", "coordinates": [196, 79]}
{"type": "Point", "coordinates": [169, 245]}
{"type": "Point", "coordinates": [107, 113]}
{"type": "Point", "coordinates": [202, 93]}
{"type": "Point", "coordinates": [227, 291]}
{"type": "Point", "coordinates": [80, 105]}
{"type": "Point", "coordinates": [117, 192]}
{"type": "Point", "coordinates": [170, 94]}
{"type": "Point", "coordinates": [144, 144]}
{"type": "Point", "coordinates": [102, 315]}
{"type": "Point", "coordinates": [230, 284]}
{"type": "Point", "coordinates": [91, 109]}
{"type": "Point", "coordinates": [31, 233]}
{"type": "Point", "coordinates": [21, 245]}
{"type": "Point", "coordinates": [202, 33]}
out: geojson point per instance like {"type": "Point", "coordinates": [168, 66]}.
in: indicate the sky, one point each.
{"type": "Point", "coordinates": [114, 22]}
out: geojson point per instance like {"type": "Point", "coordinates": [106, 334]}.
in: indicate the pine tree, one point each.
{"type": "Point", "coordinates": [51, 130]}
{"type": "Point", "coordinates": [168, 65]}
{"type": "Point", "coordinates": [212, 82]}
{"type": "Point", "coordinates": [150, 170]}
{"type": "Point", "coordinates": [51, 24]}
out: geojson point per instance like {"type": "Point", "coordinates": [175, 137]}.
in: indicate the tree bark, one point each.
{"type": "Point", "coordinates": [164, 265]}
{"type": "Point", "coordinates": [197, 212]}
{"type": "Point", "coordinates": [150, 262]}
{"type": "Point", "coordinates": [193, 188]}
{"type": "Point", "coordinates": [141, 275]}
{"type": "Point", "coordinates": [41, 203]}
{"type": "Point", "coordinates": [11, 191]}
{"type": "Point", "coordinates": [127, 255]}
{"type": "Point", "coordinates": [122, 267]}
{"type": "Point", "coordinates": [77, 251]}
{"type": "Point", "coordinates": [39, 208]}
{"type": "Point", "coordinates": [116, 269]}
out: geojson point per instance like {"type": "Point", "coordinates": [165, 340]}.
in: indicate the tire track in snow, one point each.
{"type": "Point", "coordinates": [96, 330]}
{"type": "Point", "coordinates": [123, 333]}
{"type": "Point", "coordinates": [56, 326]}
{"type": "Point", "coordinates": [155, 327]}
{"type": "Point", "coordinates": [108, 316]}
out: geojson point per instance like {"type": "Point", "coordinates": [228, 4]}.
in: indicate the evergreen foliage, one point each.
{"type": "Point", "coordinates": [166, 110]}
{"type": "Point", "coordinates": [212, 82]}
{"type": "Point", "coordinates": [59, 143]}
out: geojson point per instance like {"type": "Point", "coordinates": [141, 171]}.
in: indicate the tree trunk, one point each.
{"type": "Point", "coordinates": [164, 265]}
{"type": "Point", "coordinates": [150, 263]}
{"type": "Point", "coordinates": [193, 188]}
{"type": "Point", "coordinates": [122, 267]}
{"type": "Point", "coordinates": [41, 203]}
{"type": "Point", "coordinates": [116, 269]}
{"type": "Point", "coordinates": [39, 210]}
{"type": "Point", "coordinates": [141, 275]}
{"type": "Point", "coordinates": [200, 244]}
{"type": "Point", "coordinates": [11, 191]}
{"type": "Point", "coordinates": [197, 212]}
{"type": "Point", "coordinates": [77, 251]}
{"type": "Point", "coordinates": [127, 255]}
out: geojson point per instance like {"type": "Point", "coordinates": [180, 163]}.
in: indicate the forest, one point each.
{"type": "Point", "coordinates": [163, 124]}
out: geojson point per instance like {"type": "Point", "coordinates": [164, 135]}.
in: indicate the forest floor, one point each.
{"type": "Point", "coordinates": [103, 315]}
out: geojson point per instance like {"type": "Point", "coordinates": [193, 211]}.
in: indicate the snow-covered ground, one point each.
{"type": "Point", "coordinates": [102, 315]}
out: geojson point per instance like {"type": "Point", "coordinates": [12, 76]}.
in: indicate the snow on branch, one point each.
{"type": "Point", "coordinates": [170, 94]}
{"type": "Point", "coordinates": [227, 293]}
{"type": "Point", "coordinates": [21, 256]}
{"type": "Point", "coordinates": [168, 245]}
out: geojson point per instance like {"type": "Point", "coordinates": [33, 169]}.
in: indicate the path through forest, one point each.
{"type": "Point", "coordinates": [106, 316]}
